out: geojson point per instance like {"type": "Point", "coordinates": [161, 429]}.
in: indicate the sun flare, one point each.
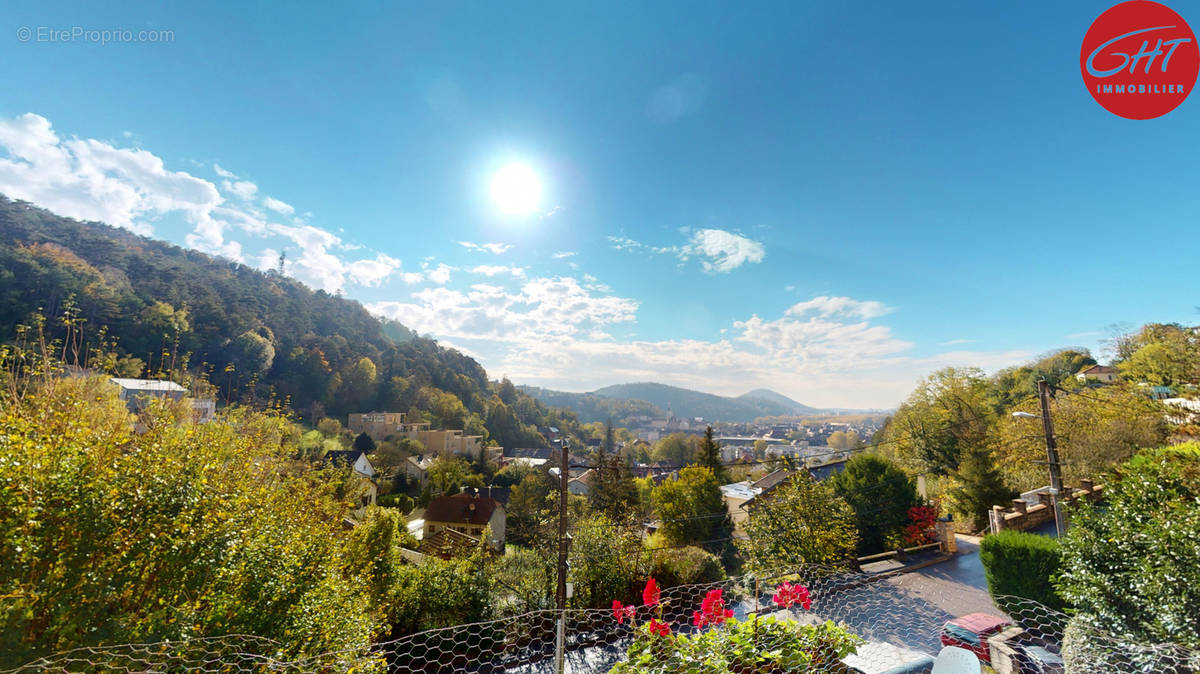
{"type": "Point", "coordinates": [516, 189]}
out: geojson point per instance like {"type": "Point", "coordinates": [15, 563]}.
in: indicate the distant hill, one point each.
{"type": "Point", "coordinates": [591, 407]}
{"type": "Point", "coordinates": [687, 403]}
{"type": "Point", "coordinates": [767, 395]}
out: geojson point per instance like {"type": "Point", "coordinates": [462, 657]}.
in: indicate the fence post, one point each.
{"type": "Point", "coordinates": [560, 639]}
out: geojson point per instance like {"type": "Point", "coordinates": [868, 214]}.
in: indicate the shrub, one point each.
{"type": "Point", "coordinates": [1021, 564]}
{"type": "Point", "coordinates": [881, 495]}
{"type": "Point", "coordinates": [1132, 566]}
{"type": "Point", "coordinates": [686, 566]}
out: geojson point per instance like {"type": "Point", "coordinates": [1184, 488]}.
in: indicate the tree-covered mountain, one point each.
{"type": "Point", "coordinates": [687, 403]}
{"type": "Point", "coordinates": [595, 408]}
{"type": "Point", "coordinates": [140, 307]}
{"type": "Point", "coordinates": [769, 396]}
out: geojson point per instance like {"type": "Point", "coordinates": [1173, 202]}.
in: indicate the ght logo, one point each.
{"type": "Point", "coordinates": [1139, 59]}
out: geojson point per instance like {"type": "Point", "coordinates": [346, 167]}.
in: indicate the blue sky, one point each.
{"type": "Point", "coordinates": [829, 200]}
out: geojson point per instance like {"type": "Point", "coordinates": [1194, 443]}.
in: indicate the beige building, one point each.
{"type": "Point", "coordinates": [381, 425]}
{"type": "Point", "coordinates": [1100, 373]}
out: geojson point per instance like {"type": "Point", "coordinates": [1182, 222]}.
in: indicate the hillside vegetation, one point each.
{"type": "Point", "coordinates": [134, 306]}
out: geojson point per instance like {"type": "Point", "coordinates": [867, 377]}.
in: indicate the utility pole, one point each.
{"type": "Point", "coordinates": [1060, 525]}
{"type": "Point", "coordinates": [560, 597]}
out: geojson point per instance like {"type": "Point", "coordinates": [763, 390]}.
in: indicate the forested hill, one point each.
{"type": "Point", "coordinates": [152, 309]}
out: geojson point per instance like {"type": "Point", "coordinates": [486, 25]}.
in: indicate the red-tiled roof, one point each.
{"type": "Point", "coordinates": [461, 508]}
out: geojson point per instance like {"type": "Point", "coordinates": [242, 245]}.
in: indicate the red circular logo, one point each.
{"type": "Point", "coordinates": [1139, 59]}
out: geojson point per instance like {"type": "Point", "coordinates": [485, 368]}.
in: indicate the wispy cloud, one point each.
{"type": "Point", "coordinates": [494, 248]}
{"type": "Point", "coordinates": [955, 342]}
{"type": "Point", "coordinates": [719, 251]}
{"type": "Point", "coordinates": [563, 254]}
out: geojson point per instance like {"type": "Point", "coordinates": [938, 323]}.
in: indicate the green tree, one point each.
{"type": "Point", "coordinates": [709, 455]}
{"type": "Point", "coordinates": [691, 507]}
{"type": "Point", "coordinates": [978, 485]}
{"type": "Point", "coordinates": [1160, 364]}
{"type": "Point", "coordinates": [676, 450]}
{"type": "Point", "coordinates": [947, 417]}
{"type": "Point", "coordinates": [1131, 567]}
{"type": "Point", "coordinates": [252, 353]}
{"type": "Point", "coordinates": [364, 443]}
{"type": "Point", "coordinates": [880, 494]}
{"type": "Point", "coordinates": [801, 521]}
{"type": "Point", "coordinates": [612, 492]}
{"type": "Point", "coordinates": [604, 561]}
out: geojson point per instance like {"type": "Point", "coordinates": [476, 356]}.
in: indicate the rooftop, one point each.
{"type": "Point", "coordinates": [148, 385]}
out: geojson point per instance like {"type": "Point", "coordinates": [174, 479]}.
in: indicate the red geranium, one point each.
{"type": "Point", "coordinates": [660, 628]}
{"type": "Point", "coordinates": [622, 612]}
{"type": "Point", "coordinates": [712, 610]}
{"type": "Point", "coordinates": [788, 595]}
{"type": "Point", "coordinates": [650, 593]}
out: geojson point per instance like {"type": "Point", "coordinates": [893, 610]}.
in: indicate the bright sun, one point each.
{"type": "Point", "coordinates": [516, 189]}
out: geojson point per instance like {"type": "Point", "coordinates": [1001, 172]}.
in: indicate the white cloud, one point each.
{"type": "Point", "coordinates": [561, 332]}
{"type": "Point", "coordinates": [494, 248]}
{"type": "Point", "coordinates": [243, 189]}
{"type": "Point", "coordinates": [719, 251]}
{"type": "Point", "coordinates": [371, 273]}
{"type": "Point", "coordinates": [563, 254]}
{"type": "Point", "coordinates": [131, 188]}
{"type": "Point", "coordinates": [281, 207]}
{"type": "Point", "coordinates": [90, 180]}
{"type": "Point", "coordinates": [835, 306]}
{"type": "Point", "coordinates": [439, 274]}
{"type": "Point", "coordinates": [956, 342]}
{"type": "Point", "coordinates": [494, 269]}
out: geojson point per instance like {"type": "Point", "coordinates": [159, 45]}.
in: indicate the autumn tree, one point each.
{"type": "Point", "coordinates": [801, 521]}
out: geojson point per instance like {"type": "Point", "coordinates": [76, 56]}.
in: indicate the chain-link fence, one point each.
{"type": "Point", "coordinates": [822, 620]}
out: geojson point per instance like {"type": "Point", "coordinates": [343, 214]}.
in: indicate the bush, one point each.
{"type": "Point", "coordinates": [402, 502]}
{"type": "Point", "coordinates": [881, 495]}
{"type": "Point", "coordinates": [686, 566]}
{"type": "Point", "coordinates": [1132, 567]}
{"type": "Point", "coordinates": [1024, 565]}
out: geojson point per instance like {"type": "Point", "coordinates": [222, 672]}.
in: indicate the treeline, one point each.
{"type": "Point", "coordinates": [957, 428]}
{"type": "Point", "coordinates": [132, 306]}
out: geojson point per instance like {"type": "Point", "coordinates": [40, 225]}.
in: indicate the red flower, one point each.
{"type": "Point", "coordinates": [788, 595]}
{"type": "Point", "coordinates": [712, 610]}
{"type": "Point", "coordinates": [659, 628]}
{"type": "Point", "coordinates": [622, 612]}
{"type": "Point", "coordinates": [650, 593]}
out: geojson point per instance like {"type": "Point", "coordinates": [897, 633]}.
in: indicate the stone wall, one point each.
{"type": "Point", "coordinates": [1021, 515]}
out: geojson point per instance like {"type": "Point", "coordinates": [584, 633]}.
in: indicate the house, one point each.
{"type": "Point", "coordinates": [466, 513]}
{"type": "Point", "coordinates": [380, 425]}
{"type": "Point", "coordinates": [362, 488]}
{"type": "Point", "coordinates": [448, 544]}
{"type": "Point", "coordinates": [416, 468]}
{"type": "Point", "coordinates": [582, 485]}
{"type": "Point", "coordinates": [137, 393]}
{"type": "Point", "coordinates": [535, 456]}
{"type": "Point", "coordinates": [826, 470]}
{"type": "Point", "coordinates": [736, 495]}
{"type": "Point", "coordinates": [1101, 373]}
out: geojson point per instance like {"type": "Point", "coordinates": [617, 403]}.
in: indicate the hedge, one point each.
{"type": "Point", "coordinates": [1024, 565]}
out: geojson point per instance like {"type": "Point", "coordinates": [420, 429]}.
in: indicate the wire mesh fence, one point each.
{"type": "Point", "coordinates": [807, 619]}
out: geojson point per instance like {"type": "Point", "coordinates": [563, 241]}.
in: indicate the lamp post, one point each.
{"type": "Point", "coordinates": [1060, 524]}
